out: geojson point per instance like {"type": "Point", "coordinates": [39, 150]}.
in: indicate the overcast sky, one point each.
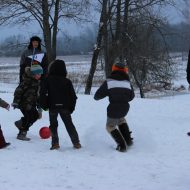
{"type": "Point", "coordinates": [173, 15]}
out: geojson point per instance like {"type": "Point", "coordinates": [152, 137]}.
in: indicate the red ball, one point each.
{"type": "Point", "coordinates": [45, 133]}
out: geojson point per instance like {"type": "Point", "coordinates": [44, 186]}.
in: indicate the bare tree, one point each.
{"type": "Point", "coordinates": [48, 14]}
{"type": "Point", "coordinates": [97, 47]}
{"type": "Point", "coordinates": [120, 42]}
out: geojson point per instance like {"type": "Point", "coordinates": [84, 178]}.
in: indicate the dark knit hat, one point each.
{"type": "Point", "coordinates": [35, 38]}
{"type": "Point", "coordinates": [120, 67]}
{"type": "Point", "coordinates": [36, 70]}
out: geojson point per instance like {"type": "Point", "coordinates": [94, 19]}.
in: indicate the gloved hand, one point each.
{"type": "Point", "coordinates": [39, 113]}
{"type": "Point", "coordinates": [15, 105]}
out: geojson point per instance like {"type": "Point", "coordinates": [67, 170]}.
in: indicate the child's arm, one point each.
{"type": "Point", "coordinates": [42, 100]}
{"type": "Point", "coordinates": [73, 97]}
{"type": "Point", "coordinates": [4, 104]}
{"type": "Point", "coordinates": [102, 92]}
{"type": "Point", "coordinates": [132, 95]}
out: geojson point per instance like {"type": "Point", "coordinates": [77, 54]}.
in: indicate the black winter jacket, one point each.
{"type": "Point", "coordinates": [58, 89]}
{"type": "Point", "coordinates": [188, 68]}
{"type": "Point", "coordinates": [119, 90]}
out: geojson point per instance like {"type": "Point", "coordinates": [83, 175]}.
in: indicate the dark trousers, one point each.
{"type": "Point", "coordinates": [30, 116]}
{"type": "Point", "coordinates": [66, 118]}
{"type": "Point", "coordinates": [2, 139]}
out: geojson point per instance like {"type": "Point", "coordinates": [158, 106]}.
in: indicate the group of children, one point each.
{"type": "Point", "coordinates": [60, 98]}
{"type": "Point", "coordinates": [48, 88]}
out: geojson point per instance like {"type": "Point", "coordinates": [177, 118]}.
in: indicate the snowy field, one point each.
{"type": "Point", "coordinates": [78, 69]}
{"type": "Point", "coordinates": [159, 158]}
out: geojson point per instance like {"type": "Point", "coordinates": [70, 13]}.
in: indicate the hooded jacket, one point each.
{"type": "Point", "coordinates": [26, 94]}
{"type": "Point", "coordinates": [188, 68]}
{"type": "Point", "coordinates": [119, 90]}
{"type": "Point", "coordinates": [58, 88]}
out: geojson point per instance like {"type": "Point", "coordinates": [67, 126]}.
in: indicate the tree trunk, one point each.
{"type": "Point", "coordinates": [96, 50]}
{"type": "Point", "coordinates": [47, 30]}
{"type": "Point", "coordinates": [139, 86]}
{"type": "Point", "coordinates": [55, 24]}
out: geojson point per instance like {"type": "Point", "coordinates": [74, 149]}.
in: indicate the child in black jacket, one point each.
{"type": "Point", "coordinates": [119, 90]}
{"type": "Point", "coordinates": [61, 100]}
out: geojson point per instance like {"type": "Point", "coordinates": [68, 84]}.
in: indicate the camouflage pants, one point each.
{"type": "Point", "coordinates": [112, 123]}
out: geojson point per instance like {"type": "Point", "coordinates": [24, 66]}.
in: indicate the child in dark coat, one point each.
{"type": "Point", "coordinates": [119, 90]}
{"type": "Point", "coordinates": [3, 143]}
{"type": "Point", "coordinates": [61, 101]}
{"type": "Point", "coordinates": [26, 98]}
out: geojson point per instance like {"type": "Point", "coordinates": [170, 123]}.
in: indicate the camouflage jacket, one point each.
{"type": "Point", "coordinates": [26, 94]}
{"type": "Point", "coordinates": [3, 104]}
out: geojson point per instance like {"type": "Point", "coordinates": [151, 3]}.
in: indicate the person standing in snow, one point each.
{"type": "Point", "coordinates": [33, 55]}
{"type": "Point", "coordinates": [61, 101]}
{"type": "Point", "coordinates": [119, 90]}
{"type": "Point", "coordinates": [26, 98]}
{"type": "Point", "coordinates": [3, 143]}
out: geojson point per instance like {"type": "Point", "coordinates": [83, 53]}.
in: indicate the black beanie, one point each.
{"type": "Point", "coordinates": [35, 38]}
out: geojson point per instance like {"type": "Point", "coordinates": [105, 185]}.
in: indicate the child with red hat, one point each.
{"type": "Point", "coordinates": [3, 143]}
{"type": "Point", "coordinates": [120, 92]}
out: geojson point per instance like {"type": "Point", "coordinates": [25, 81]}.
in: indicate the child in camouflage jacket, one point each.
{"type": "Point", "coordinates": [26, 99]}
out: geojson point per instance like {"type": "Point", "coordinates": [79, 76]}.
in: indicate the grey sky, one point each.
{"type": "Point", "coordinates": [173, 15]}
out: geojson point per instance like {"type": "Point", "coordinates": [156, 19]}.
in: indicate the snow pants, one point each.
{"type": "Point", "coordinates": [30, 116]}
{"type": "Point", "coordinates": [67, 120]}
{"type": "Point", "coordinates": [2, 139]}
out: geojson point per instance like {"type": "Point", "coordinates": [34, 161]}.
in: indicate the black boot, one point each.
{"type": "Point", "coordinates": [18, 124]}
{"type": "Point", "coordinates": [22, 136]}
{"type": "Point", "coordinates": [124, 129]}
{"type": "Point", "coordinates": [119, 140]}
{"type": "Point", "coordinates": [54, 139]}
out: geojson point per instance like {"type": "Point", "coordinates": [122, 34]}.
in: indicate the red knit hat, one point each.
{"type": "Point", "coordinates": [120, 67]}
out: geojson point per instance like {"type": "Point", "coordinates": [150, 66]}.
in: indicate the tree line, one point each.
{"type": "Point", "coordinates": [131, 31]}
{"type": "Point", "coordinates": [177, 40]}
{"type": "Point", "coordinates": [82, 43]}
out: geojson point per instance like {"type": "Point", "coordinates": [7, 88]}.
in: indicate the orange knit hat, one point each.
{"type": "Point", "coordinates": [120, 67]}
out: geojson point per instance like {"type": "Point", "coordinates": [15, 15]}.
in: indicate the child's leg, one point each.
{"type": "Point", "coordinates": [66, 117]}
{"type": "Point", "coordinates": [3, 143]}
{"type": "Point", "coordinates": [30, 117]}
{"type": "Point", "coordinates": [114, 132]}
{"type": "Point", "coordinates": [124, 130]}
{"type": "Point", "coordinates": [53, 127]}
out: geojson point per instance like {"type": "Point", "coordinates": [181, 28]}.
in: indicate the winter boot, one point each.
{"type": "Point", "coordinates": [55, 147]}
{"type": "Point", "coordinates": [3, 143]}
{"type": "Point", "coordinates": [54, 142]}
{"type": "Point", "coordinates": [77, 145]}
{"type": "Point", "coordinates": [124, 130]}
{"type": "Point", "coordinates": [119, 140]}
{"type": "Point", "coordinates": [22, 136]}
{"type": "Point", "coordinates": [18, 124]}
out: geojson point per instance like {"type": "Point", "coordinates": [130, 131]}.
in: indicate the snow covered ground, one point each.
{"type": "Point", "coordinates": [159, 158]}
